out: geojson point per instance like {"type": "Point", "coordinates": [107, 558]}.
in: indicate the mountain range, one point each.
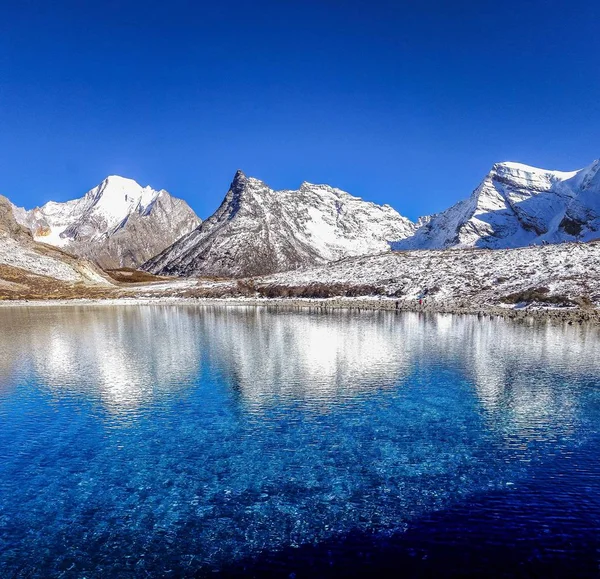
{"type": "Point", "coordinates": [258, 231]}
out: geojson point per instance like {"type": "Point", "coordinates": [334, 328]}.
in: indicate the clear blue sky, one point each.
{"type": "Point", "coordinates": [407, 103]}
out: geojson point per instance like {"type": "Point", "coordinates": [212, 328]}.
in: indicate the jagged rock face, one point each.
{"type": "Point", "coordinates": [116, 224]}
{"type": "Point", "coordinates": [9, 227]}
{"type": "Point", "coordinates": [517, 205]}
{"type": "Point", "coordinates": [258, 231]}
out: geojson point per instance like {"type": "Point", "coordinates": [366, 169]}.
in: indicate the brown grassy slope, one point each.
{"type": "Point", "coordinates": [130, 275]}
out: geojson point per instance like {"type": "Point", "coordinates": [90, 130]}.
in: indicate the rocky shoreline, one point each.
{"type": "Point", "coordinates": [532, 313]}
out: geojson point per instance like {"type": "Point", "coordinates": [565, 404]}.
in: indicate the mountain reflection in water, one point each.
{"type": "Point", "coordinates": [128, 356]}
{"type": "Point", "coordinates": [186, 438]}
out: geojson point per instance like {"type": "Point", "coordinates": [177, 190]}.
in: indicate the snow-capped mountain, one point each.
{"type": "Point", "coordinates": [257, 230]}
{"type": "Point", "coordinates": [119, 223]}
{"type": "Point", "coordinates": [517, 205]}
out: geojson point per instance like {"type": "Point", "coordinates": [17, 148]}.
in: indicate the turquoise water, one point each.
{"type": "Point", "coordinates": [180, 440]}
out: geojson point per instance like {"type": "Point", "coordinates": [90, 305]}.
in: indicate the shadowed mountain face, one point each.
{"type": "Point", "coordinates": [516, 205]}
{"type": "Point", "coordinates": [116, 224]}
{"type": "Point", "coordinates": [258, 231]}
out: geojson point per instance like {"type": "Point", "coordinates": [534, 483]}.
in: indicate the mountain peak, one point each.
{"type": "Point", "coordinates": [522, 171]}
{"type": "Point", "coordinates": [504, 165]}
{"type": "Point", "coordinates": [258, 230]}
{"type": "Point", "coordinates": [117, 223]}
{"type": "Point", "coordinates": [119, 179]}
{"type": "Point", "coordinates": [517, 205]}
{"type": "Point", "coordinates": [125, 185]}
{"type": "Point", "coordinates": [307, 185]}
{"type": "Point", "coordinates": [122, 184]}
{"type": "Point", "coordinates": [117, 196]}
{"type": "Point", "coordinates": [239, 179]}
{"type": "Point", "coordinates": [116, 183]}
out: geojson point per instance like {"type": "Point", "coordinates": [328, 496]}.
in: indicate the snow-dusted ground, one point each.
{"type": "Point", "coordinates": [30, 258]}
{"type": "Point", "coordinates": [463, 277]}
{"type": "Point", "coordinates": [564, 280]}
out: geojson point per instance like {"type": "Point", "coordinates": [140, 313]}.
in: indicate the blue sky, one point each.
{"type": "Point", "coordinates": [406, 103]}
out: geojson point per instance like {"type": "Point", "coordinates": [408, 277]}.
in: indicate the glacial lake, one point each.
{"type": "Point", "coordinates": [181, 441]}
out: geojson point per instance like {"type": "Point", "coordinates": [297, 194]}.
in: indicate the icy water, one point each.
{"type": "Point", "coordinates": [175, 441]}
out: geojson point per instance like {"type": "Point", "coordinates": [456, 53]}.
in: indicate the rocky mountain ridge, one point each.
{"type": "Point", "coordinates": [257, 230]}
{"type": "Point", "coordinates": [514, 206]}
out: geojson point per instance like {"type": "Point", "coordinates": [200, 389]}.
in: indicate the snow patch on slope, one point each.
{"type": "Point", "coordinates": [29, 258]}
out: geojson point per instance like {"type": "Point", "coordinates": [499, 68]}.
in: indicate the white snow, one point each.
{"type": "Point", "coordinates": [467, 277]}
{"type": "Point", "coordinates": [100, 212]}
{"type": "Point", "coordinates": [529, 170]}
{"type": "Point", "coordinates": [26, 257]}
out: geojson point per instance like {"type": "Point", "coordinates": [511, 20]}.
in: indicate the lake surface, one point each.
{"type": "Point", "coordinates": [176, 441]}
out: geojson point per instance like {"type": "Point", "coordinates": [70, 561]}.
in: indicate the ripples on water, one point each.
{"type": "Point", "coordinates": [156, 440]}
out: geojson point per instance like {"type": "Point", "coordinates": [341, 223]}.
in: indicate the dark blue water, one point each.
{"type": "Point", "coordinates": [172, 441]}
